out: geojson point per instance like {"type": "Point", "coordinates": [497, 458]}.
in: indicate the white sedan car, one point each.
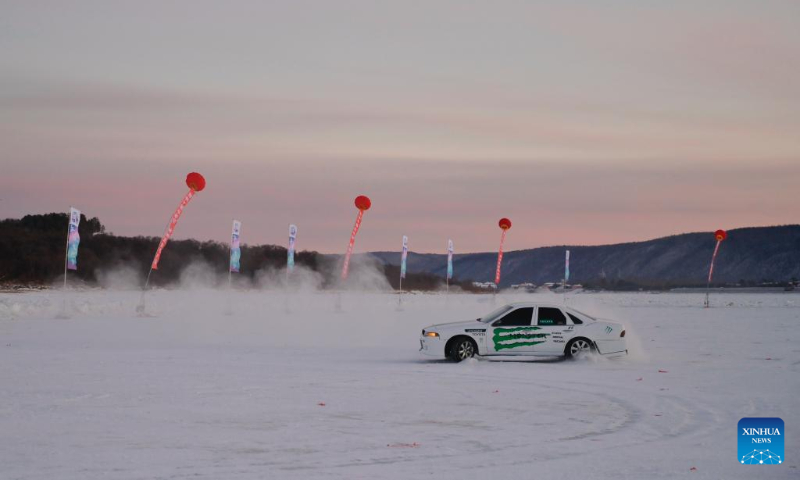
{"type": "Point", "coordinates": [525, 329]}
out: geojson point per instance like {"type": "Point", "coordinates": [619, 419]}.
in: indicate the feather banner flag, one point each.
{"type": "Point", "coordinates": [290, 250]}
{"type": "Point", "coordinates": [196, 183]}
{"type": "Point", "coordinates": [236, 251]}
{"type": "Point", "coordinates": [566, 268]}
{"type": "Point", "coordinates": [403, 257]}
{"type": "Point", "coordinates": [73, 238]}
{"type": "Point", "coordinates": [449, 259]}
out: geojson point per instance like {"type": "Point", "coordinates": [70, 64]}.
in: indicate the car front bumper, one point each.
{"type": "Point", "coordinates": [431, 346]}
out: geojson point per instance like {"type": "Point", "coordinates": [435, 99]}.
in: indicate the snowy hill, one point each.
{"type": "Point", "coordinates": [750, 254]}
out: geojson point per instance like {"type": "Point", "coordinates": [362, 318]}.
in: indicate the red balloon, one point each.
{"type": "Point", "coordinates": [195, 181]}
{"type": "Point", "coordinates": [505, 223]}
{"type": "Point", "coordinates": [721, 235]}
{"type": "Point", "coordinates": [363, 202]}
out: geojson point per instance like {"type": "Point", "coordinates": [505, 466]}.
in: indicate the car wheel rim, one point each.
{"type": "Point", "coordinates": [465, 350]}
{"type": "Point", "coordinates": [579, 346]}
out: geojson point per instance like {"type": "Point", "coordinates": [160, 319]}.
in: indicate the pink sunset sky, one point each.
{"type": "Point", "coordinates": [583, 122]}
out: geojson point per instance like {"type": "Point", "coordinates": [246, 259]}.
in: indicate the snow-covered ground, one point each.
{"type": "Point", "coordinates": [286, 387]}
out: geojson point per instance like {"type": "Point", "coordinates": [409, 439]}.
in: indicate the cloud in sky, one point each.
{"type": "Point", "coordinates": [584, 124]}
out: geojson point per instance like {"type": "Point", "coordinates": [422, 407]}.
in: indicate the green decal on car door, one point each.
{"type": "Point", "coordinates": [507, 338]}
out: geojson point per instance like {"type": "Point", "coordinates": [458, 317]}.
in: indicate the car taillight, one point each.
{"type": "Point", "coordinates": [622, 334]}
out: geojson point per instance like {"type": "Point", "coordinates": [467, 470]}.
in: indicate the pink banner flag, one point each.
{"type": "Point", "coordinates": [346, 267]}
{"type": "Point", "coordinates": [713, 257]}
{"type": "Point", "coordinates": [171, 227]}
{"type": "Point", "coordinates": [499, 259]}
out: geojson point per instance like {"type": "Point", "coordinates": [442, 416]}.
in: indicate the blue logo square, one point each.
{"type": "Point", "coordinates": [761, 441]}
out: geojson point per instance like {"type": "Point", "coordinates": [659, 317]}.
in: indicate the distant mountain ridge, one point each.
{"type": "Point", "coordinates": [751, 254]}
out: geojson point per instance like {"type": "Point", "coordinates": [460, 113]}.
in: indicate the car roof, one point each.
{"type": "Point", "coordinates": [536, 304]}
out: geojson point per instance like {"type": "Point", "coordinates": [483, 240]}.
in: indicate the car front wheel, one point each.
{"type": "Point", "coordinates": [462, 349]}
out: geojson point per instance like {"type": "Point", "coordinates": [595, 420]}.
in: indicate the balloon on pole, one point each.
{"type": "Point", "coordinates": [196, 183]}
{"type": "Point", "coordinates": [719, 235]}
{"type": "Point", "coordinates": [363, 204]}
{"type": "Point", "coordinates": [505, 225]}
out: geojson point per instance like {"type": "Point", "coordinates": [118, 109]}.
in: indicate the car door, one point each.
{"type": "Point", "coordinates": [556, 327]}
{"type": "Point", "coordinates": [513, 334]}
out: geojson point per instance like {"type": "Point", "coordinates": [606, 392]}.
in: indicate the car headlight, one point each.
{"type": "Point", "coordinates": [431, 334]}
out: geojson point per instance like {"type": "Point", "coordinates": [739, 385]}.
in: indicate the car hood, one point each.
{"type": "Point", "coordinates": [455, 326]}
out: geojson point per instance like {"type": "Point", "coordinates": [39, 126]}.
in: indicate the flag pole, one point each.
{"type": "Point", "coordinates": [566, 277]}
{"type": "Point", "coordinates": [140, 308]}
{"type": "Point", "coordinates": [66, 250]}
{"type": "Point", "coordinates": [400, 294]}
{"type": "Point", "coordinates": [287, 257]}
{"type": "Point", "coordinates": [230, 253]}
{"type": "Point", "coordinates": [403, 257]}
{"type": "Point", "coordinates": [63, 313]}
{"type": "Point", "coordinates": [228, 302]}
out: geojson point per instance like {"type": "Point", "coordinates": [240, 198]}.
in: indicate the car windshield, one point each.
{"type": "Point", "coordinates": [580, 314]}
{"type": "Point", "coordinates": [495, 314]}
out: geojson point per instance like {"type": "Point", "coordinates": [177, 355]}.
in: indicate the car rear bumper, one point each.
{"type": "Point", "coordinates": [612, 347]}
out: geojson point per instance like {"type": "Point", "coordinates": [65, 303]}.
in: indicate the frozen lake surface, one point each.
{"type": "Point", "coordinates": [286, 387]}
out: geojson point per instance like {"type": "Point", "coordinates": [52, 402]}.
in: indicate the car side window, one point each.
{"type": "Point", "coordinates": [575, 320]}
{"type": "Point", "coordinates": [551, 316]}
{"type": "Point", "coordinates": [520, 317]}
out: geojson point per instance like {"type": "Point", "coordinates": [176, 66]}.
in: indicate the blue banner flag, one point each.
{"type": "Point", "coordinates": [404, 257]}
{"type": "Point", "coordinates": [73, 238]}
{"type": "Point", "coordinates": [449, 259]}
{"type": "Point", "coordinates": [236, 252]}
{"type": "Point", "coordinates": [290, 252]}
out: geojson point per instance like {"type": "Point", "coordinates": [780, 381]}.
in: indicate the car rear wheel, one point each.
{"type": "Point", "coordinates": [577, 347]}
{"type": "Point", "coordinates": [462, 349]}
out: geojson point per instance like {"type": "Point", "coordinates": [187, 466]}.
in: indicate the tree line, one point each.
{"type": "Point", "coordinates": [32, 252]}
